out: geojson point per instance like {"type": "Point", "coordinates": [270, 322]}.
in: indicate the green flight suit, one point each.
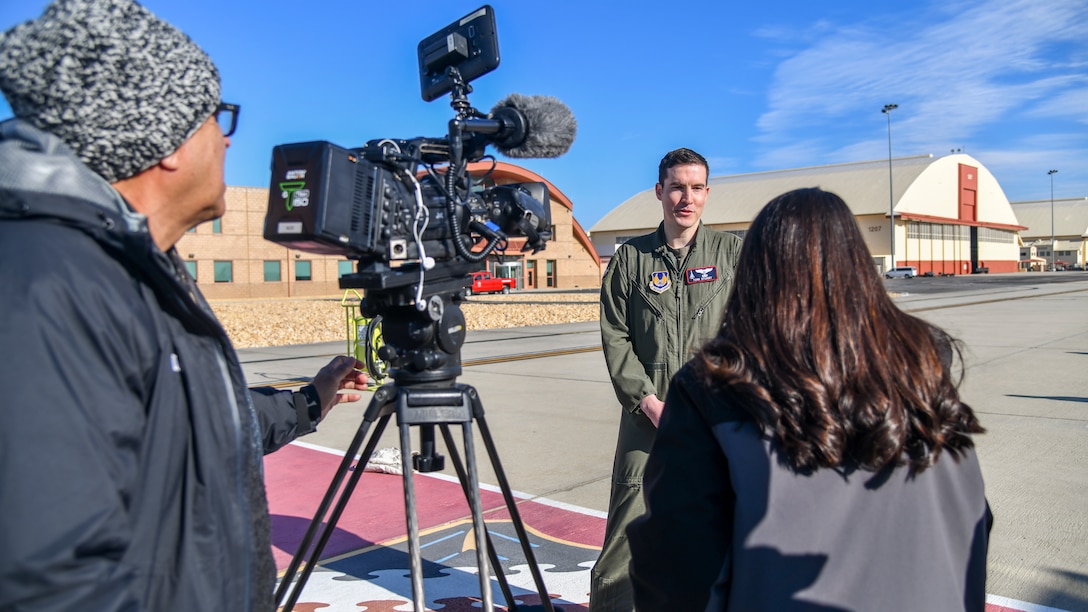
{"type": "Point", "coordinates": [655, 312]}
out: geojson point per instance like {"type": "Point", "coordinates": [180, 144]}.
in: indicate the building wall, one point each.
{"type": "Point", "coordinates": [1064, 220]}
{"type": "Point", "coordinates": [572, 269]}
{"type": "Point", "coordinates": [944, 248]}
{"type": "Point", "coordinates": [240, 242]}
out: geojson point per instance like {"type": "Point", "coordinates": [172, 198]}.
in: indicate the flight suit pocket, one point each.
{"type": "Point", "coordinates": [657, 373]}
{"type": "Point", "coordinates": [647, 315]}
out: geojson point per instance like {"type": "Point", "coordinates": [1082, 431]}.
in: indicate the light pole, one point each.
{"type": "Point", "coordinates": [888, 108]}
{"type": "Point", "coordinates": [1053, 253]}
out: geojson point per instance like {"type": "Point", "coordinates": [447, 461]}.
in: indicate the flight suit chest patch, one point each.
{"type": "Point", "coordinates": [707, 274]}
{"type": "Point", "coordinates": [660, 282]}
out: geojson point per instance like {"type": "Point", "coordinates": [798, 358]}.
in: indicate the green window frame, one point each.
{"type": "Point", "coordinates": [344, 267]}
{"type": "Point", "coordinates": [272, 271]}
{"type": "Point", "coordinates": [303, 270]}
{"type": "Point", "coordinates": [224, 271]}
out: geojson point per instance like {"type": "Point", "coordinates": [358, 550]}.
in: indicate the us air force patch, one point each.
{"type": "Point", "coordinates": [700, 275]}
{"type": "Point", "coordinates": [659, 282]}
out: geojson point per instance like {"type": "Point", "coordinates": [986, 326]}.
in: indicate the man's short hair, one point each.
{"type": "Point", "coordinates": [121, 87]}
{"type": "Point", "coordinates": [680, 157]}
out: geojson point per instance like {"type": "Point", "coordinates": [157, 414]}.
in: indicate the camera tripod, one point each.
{"type": "Point", "coordinates": [423, 397]}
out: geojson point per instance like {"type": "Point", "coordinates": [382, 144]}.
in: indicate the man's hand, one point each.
{"type": "Point", "coordinates": [652, 408]}
{"type": "Point", "coordinates": [342, 372]}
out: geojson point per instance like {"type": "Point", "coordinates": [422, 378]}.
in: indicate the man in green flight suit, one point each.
{"type": "Point", "coordinates": [662, 297]}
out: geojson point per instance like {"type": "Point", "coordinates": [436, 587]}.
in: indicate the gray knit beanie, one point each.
{"type": "Point", "coordinates": [118, 85]}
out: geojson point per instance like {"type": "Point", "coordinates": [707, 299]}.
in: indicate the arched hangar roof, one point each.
{"type": "Point", "coordinates": [923, 188]}
{"type": "Point", "coordinates": [1069, 217]}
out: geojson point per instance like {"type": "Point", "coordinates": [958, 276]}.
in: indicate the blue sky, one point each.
{"type": "Point", "coordinates": [752, 85]}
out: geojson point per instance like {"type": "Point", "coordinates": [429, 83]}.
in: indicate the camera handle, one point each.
{"type": "Point", "coordinates": [424, 407]}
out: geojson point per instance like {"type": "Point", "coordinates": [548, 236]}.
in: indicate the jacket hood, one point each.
{"type": "Point", "coordinates": [41, 177]}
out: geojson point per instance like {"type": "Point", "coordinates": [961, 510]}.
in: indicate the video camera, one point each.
{"type": "Point", "coordinates": [408, 211]}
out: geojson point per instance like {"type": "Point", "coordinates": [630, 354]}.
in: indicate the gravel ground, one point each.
{"type": "Point", "coordinates": [280, 322]}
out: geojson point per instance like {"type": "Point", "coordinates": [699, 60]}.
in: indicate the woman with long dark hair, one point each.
{"type": "Point", "coordinates": [816, 454]}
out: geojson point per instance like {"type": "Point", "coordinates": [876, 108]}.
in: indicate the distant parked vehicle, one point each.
{"type": "Point", "coordinates": [902, 272]}
{"type": "Point", "coordinates": [484, 282]}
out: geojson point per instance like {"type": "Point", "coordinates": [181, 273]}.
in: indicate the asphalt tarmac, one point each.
{"type": "Point", "coordinates": [550, 408]}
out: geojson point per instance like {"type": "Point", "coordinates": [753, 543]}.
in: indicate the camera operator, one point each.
{"type": "Point", "coordinates": [663, 295]}
{"type": "Point", "coordinates": [131, 475]}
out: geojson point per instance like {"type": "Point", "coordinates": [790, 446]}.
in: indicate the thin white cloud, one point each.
{"type": "Point", "coordinates": [959, 72]}
{"type": "Point", "coordinates": [1070, 103]}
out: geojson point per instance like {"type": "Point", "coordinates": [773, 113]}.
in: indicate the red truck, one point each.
{"type": "Point", "coordinates": [483, 282]}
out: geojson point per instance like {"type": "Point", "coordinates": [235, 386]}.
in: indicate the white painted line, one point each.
{"type": "Point", "coordinates": [485, 487]}
{"type": "Point", "coordinates": [1024, 606]}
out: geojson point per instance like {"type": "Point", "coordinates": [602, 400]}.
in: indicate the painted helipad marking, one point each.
{"type": "Point", "coordinates": [298, 475]}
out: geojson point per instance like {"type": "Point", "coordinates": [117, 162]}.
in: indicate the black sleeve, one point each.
{"type": "Point", "coordinates": [681, 545]}
{"type": "Point", "coordinates": [284, 415]}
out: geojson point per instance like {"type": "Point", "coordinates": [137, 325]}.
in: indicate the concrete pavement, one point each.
{"type": "Point", "coordinates": [554, 419]}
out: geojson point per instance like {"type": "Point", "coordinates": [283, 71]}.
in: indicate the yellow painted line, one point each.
{"type": "Point", "coordinates": [525, 356]}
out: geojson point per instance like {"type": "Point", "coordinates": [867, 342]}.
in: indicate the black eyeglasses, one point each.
{"type": "Point", "coordinates": [226, 115]}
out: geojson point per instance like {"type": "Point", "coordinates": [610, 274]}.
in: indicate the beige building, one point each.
{"type": "Point", "coordinates": [1065, 221]}
{"type": "Point", "coordinates": [951, 215]}
{"type": "Point", "coordinates": [231, 259]}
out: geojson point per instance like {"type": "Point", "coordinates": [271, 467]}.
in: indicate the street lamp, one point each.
{"type": "Point", "coordinates": [1053, 253]}
{"type": "Point", "coordinates": [888, 108]}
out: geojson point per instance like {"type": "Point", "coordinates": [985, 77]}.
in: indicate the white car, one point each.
{"type": "Point", "coordinates": [902, 272]}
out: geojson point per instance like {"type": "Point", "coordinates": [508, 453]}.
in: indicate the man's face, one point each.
{"type": "Point", "coordinates": [682, 196]}
{"type": "Point", "coordinates": [205, 189]}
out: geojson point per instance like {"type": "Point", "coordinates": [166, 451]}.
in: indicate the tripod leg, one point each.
{"type": "Point", "coordinates": [511, 505]}
{"type": "Point", "coordinates": [378, 405]}
{"type": "Point", "coordinates": [477, 518]}
{"type": "Point", "coordinates": [462, 476]}
{"type": "Point", "coordinates": [415, 559]}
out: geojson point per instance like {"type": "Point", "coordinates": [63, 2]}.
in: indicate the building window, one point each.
{"type": "Point", "coordinates": [989, 234]}
{"type": "Point", "coordinates": [344, 267]}
{"type": "Point", "coordinates": [550, 269]}
{"type": "Point", "coordinates": [224, 271]}
{"type": "Point", "coordinates": [272, 272]}
{"type": "Point", "coordinates": [191, 267]}
{"type": "Point", "coordinates": [217, 226]}
{"type": "Point", "coordinates": [302, 271]}
{"type": "Point", "coordinates": [530, 273]}
{"type": "Point", "coordinates": [191, 230]}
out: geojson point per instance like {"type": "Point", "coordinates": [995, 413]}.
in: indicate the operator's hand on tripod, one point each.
{"type": "Point", "coordinates": [342, 372]}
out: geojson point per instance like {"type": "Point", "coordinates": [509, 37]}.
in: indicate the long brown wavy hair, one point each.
{"type": "Point", "coordinates": [822, 358]}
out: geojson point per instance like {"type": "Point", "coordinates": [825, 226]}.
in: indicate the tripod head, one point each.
{"type": "Point", "coordinates": [422, 323]}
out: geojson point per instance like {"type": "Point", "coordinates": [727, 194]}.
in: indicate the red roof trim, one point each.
{"type": "Point", "coordinates": [918, 217]}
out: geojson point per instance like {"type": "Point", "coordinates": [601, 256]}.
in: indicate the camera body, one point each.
{"type": "Point", "coordinates": [368, 204]}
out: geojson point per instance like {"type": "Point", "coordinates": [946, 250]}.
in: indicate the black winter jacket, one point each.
{"type": "Point", "coordinates": [130, 456]}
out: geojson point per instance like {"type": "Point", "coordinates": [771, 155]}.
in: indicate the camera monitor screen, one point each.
{"type": "Point", "coordinates": [469, 44]}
